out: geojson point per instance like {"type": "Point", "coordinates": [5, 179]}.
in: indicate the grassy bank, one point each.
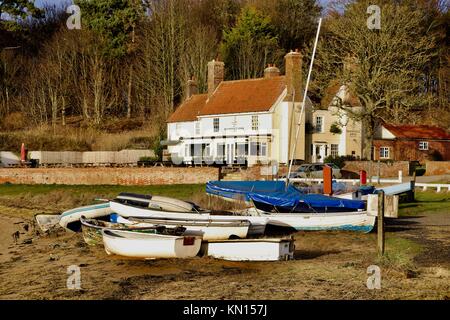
{"type": "Point", "coordinates": [426, 202]}
{"type": "Point", "coordinates": [57, 198]}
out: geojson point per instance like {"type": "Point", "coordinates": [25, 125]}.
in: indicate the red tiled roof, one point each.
{"type": "Point", "coordinates": [189, 109]}
{"type": "Point", "coordinates": [250, 95]}
{"type": "Point", "coordinates": [417, 132]}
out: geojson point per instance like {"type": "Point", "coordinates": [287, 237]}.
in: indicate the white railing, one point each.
{"type": "Point", "coordinates": [373, 179]}
{"type": "Point", "coordinates": [437, 186]}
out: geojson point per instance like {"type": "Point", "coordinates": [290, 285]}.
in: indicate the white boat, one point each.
{"type": "Point", "coordinates": [157, 202]}
{"type": "Point", "coordinates": [149, 246]}
{"type": "Point", "coordinates": [350, 221]}
{"type": "Point", "coordinates": [70, 219]}
{"type": "Point", "coordinates": [47, 221]}
{"type": "Point", "coordinates": [250, 249]}
{"type": "Point", "coordinates": [217, 229]}
{"type": "Point", "coordinates": [257, 223]}
{"type": "Point", "coordinates": [92, 229]}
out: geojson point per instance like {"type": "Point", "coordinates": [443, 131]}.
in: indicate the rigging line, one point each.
{"type": "Point", "coordinates": [304, 101]}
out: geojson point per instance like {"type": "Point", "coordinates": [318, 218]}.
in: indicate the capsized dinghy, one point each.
{"type": "Point", "coordinates": [217, 229]}
{"type": "Point", "coordinates": [92, 229]}
{"type": "Point", "coordinates": [134, 244]}
{"type": "Point", "coordinates": [70, 219]}
{"type": "Point", "coordinates": [250, 249]}
{"type": "Point", "coordinates": [257, 223]}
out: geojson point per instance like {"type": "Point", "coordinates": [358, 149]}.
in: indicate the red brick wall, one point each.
{"type": "Point", "coordinates": [409, 149]}
{"type": "Point", "coordinates": [109, 176]}
{"type": "Point", "coordinates": [437, 168]}
{"type": "Point", "coordinates": [387, 169]}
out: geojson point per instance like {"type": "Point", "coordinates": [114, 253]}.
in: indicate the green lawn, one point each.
{"type": "Point", "coordinates": [426, 202]}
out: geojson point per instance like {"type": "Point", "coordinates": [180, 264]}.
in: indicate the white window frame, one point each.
{"type": "Point", "coordinates": [255, 123]}
{"type": "Point", "coordinates": [334, 152]}
{"type": "Point", "coordinates": [385, 153]}
{"type": "Point", "coordinates": [259, 149]}
{"type": "Point", "coordinates": [423, 145]}
{"type": "Point", "coordinates": [321, 123]}
{"type": "Point", "coordinates": [216, 124]}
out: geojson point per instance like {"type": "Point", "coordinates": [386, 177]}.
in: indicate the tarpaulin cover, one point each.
{"type": "Point", "coordinates": [241, 189]}
{"type": "Point", "coordinates": [297, 199]}
{"type": "Point", "coordinates": [275, 193]}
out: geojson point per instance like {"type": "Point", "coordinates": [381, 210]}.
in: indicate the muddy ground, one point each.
{"type": "Point", "coordinates": [327, 265]}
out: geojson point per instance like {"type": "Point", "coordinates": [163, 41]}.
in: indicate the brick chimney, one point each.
{"type": "Point", "coordinates": [216, 71]}
{"type": "Point", "coordinates": [293, 67]}
{"type": "Point", "coordinates": [191, 88]}
{"type": "Point", "coordinates": [271, 71]}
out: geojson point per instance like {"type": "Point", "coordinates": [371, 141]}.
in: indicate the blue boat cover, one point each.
{"type": "Point", "coordinates": [296, 200]}
{"type": "Point", "coordinates": [275, 193]}
{"type": "Point", "coordinates": [241, 189]}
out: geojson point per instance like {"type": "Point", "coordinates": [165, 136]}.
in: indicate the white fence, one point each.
{"type": "Point", "coordinates": [373, 179]}
{"type": "Point", "coordinates": [67, 158]}
{"type": "Point", "coordinates": [438, 186]}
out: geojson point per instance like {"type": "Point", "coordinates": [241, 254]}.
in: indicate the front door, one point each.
{"type": "Point", "coordinates": [319, 152]}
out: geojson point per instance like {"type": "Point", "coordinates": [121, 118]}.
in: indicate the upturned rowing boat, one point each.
{"type": "Point", "coordinates": [149, 246]}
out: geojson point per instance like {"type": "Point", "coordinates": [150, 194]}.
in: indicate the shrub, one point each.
{"type": "Point", "coordinates": [335, 128]}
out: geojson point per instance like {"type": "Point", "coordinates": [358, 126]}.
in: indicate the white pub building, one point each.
{"type": "Point", "coordinates": [246, 121]}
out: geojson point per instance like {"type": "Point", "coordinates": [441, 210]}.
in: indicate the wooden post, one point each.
{"type": "Point", "coordinates": [380, 232]}
{"type": "Point", "coordinates": [378, 172]}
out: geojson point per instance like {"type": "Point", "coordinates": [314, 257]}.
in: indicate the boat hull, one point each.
{"type": "Point", "coordinates": [149, 246]}
{"type": "Point", "coordinates": [70, 220]}
{"type": "Point", "coordinates": [351, 221]}
{"type": "Point", "coordinates": [250, 249]}
{"type": "Point", "coordinates": [257, 223]}
{"type": "Point", "coordinates": [208, 230]}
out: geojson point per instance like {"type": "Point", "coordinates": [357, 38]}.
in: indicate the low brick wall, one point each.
{"type": "Point", "coordinates": [387, 169]}
{"type": "Point", "coordinates": [109, 176]}
{"type": "Point", "coordinates": [437, 168]}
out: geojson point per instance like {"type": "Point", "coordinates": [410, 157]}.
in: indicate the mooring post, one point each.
{"type": "Point", "coordinates": [380, 232]}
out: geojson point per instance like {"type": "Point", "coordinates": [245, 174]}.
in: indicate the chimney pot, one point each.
{"type": "Point", "coordinates": [271, 71]}
{"type": "Point", "coordinates": [191, 88]}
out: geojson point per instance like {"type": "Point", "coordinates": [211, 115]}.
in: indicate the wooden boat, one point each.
{"type": "Point", "coordinates": [257, 223]}
{"type": "Point", "coordinates": [250, 249]}
{"type": "Point", "coordinates": [217, 229]}
{"type": "Point", "coordinates": [92, 229]}
{"type": "Point", "coordinates": [70, 219]}
{"type": "Point", "coordinates": [47, 222]}
{"type": "Point", "coordinates": [347, 221]}
{"type": "Point", "coordinates": [134, 244]}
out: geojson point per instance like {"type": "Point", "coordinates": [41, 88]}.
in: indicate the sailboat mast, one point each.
{"type": "Point", "coordinates": [303, 103]}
